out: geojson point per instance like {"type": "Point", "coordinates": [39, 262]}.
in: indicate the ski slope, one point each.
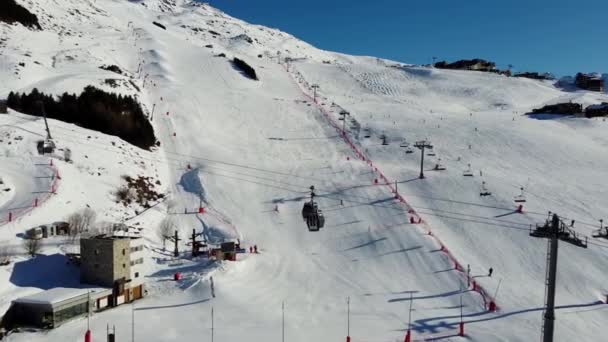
{"type": "Point", "coordinates": [248, 151]}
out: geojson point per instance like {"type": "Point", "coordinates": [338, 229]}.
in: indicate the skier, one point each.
{"type": "Point", "coordinates": [250, 249]}
{"type": "Point", "coordinates": [490, 271]}
{"type": "Point", "coordinates": [341, 202]}
{"type": "Point", "coordinates": [255, 249]}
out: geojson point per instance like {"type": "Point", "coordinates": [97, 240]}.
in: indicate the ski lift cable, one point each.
{"type": "Point", "coordinates": [206, 159]}
{"type": "Point", "coordinates": [159, 160]}
{"type": "Point", "coordinates": [176, 161]}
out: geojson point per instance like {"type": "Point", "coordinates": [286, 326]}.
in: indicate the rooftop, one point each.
{"type": "Point", "coordinates": [57, 295]}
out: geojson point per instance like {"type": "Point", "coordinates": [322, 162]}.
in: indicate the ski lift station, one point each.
{"type": "Point", "coordinates": [53, 307]}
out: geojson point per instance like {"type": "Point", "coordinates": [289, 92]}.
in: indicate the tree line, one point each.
{"type": "Point", "coordinates": [94, 109]}
{"type": "Point", "coordinates": [11, 12]}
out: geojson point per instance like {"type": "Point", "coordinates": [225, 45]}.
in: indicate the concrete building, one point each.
{"type": "Point", "coordinates": [116, 262]}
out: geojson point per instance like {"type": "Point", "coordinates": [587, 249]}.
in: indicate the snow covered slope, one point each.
{"type": "Point", "coordinates": [249, 150]}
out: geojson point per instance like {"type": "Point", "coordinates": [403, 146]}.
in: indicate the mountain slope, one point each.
{"type": "Point", "coordinates": [248, 151]}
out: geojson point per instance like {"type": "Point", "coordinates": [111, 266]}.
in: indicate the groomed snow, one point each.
{"type": "Point", "coordinates": [248, 151]}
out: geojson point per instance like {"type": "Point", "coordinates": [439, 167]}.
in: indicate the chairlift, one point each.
{"type": "Point", "coordinates": [404, 144]}
{"type": "Point", "coordinates": [521, 198]}
{"type": "Point", "coordinates": [602, 232]}
{"type": "Point", "coordinates": [368, 133]}
{"type": "Point", "coordinates": [484, 191]}
{"type": "Point", "coordinates": [439, 166]}
{"type": "Point", "coordinates": [409, 150]}
{"type": "Point", "coordinates": [384, 140]}
{"type": "Point", "coordinates": [468, 172]}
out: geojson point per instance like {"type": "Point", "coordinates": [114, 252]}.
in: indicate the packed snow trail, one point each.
{"type": "Point", "coordinates": [510, 152]}
{"type": "Point", "coordinates": [413, 215]}
{"type": "Point", "coordinates": [29, 183]}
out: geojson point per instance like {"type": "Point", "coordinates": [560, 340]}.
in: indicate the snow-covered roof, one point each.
{"type": "Point", "coordinates": [56, 295]}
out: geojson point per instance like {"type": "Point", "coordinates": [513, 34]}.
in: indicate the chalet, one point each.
{"type": "Point", "coordinates": [591, 82]}
{"type": "Point", "coordinates": [468, 64]}
{"type": "Point", "coordinates": [565, 108]}
{"type": "Point", "coordinates": [535, 75]}
{"type": "Point", "coordinates": [597, 110]}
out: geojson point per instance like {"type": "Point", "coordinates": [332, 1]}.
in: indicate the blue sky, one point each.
{"type": "Point", "coordinates": [558, 36]}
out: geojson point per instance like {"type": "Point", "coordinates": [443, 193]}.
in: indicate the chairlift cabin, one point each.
{"type": "Point", "coordinates": [484, 191]}
{"type": "Point", "coordinates": [48, 146]}
{"type": "Point", "coordinates": [311, 213]}
{"type": "Point", "coordinates": [521, 198]}
{"type": "Point", "coordinates": [404, 144]}
{"type": "Point", "coordinates": [409, 150]}
{"type": "Point", "coordinates": [468, 172]}
{"type": "Point", "coordinates": [367, 133]}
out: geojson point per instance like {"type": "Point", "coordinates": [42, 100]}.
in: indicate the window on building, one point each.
{"type": "Point", "coordinates": [137, 248]}
{"type": "Point", "coordinates": [124, 265]}
{"type": "Point", "coordinates": [70, 312]}
{"type": "Point", "coordinates": [97, 252]}
{"type": "Point", "coordinates": [136, 274]}
{"type": "Point", "coordinates": [96, 265]}
{"type": "Point", "coordinates": [124, 251]}
{"type": "Point", "coordinates": [137, 261]}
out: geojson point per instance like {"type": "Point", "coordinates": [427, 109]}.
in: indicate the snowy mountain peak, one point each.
{"type": "Point", "coordinates": [235, 160]}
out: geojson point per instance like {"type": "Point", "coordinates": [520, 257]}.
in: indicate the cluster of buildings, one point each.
{"type": "Point", "coordinates": [591, 81]}
{"type": "Point", "coordinates": [111, 268]}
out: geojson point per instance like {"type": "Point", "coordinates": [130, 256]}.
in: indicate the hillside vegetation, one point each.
{"type": "Point", "coordinates": [93, 109]}
{"type": "Point", "coordinates": [11, 12]}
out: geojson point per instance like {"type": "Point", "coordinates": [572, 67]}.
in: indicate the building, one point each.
{"type": "Point", "coordinates": [51, 308]}
{"type": "Point", "coordinates": [47, 230]}
{"type": "Point", "coordinates": [468, 64]}
{"type": "Point", "coordinates": [3, 107]}
{"type": "Point", "coordinates": [536, 75]}
{"type": "Point", "coordinates": [591, 82]}
{"type": "Point", "coordinates": [116, 262]}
